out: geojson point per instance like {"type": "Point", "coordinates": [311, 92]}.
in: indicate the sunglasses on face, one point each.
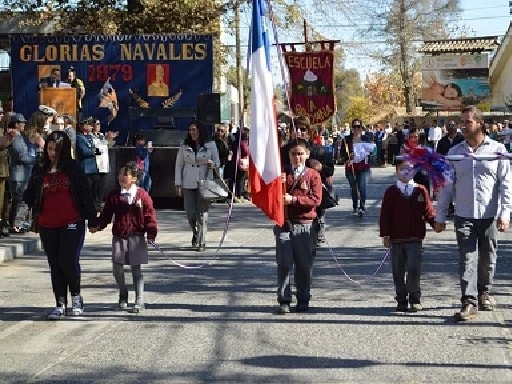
{"type": "Point", "coordinates": [298, 153]}
{"type": "Point", "coordinates": [356, 126]}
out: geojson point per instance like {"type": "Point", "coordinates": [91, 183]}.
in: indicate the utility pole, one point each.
{"type": "Point", "coordinates": [239, 68]}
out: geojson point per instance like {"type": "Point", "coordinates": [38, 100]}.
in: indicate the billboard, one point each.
{"type": "Point", "coordinates": [451, 82]}
{"type": "Point", "coordinates": [118, 72]}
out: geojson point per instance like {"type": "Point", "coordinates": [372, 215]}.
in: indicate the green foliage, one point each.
{"type": "Point", "coordinates": [359, 108]}
{"type": "Point", "coordinates": [347, 84]}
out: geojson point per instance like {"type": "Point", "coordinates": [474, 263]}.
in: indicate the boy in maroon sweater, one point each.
{"type": "Point", "coordinates": [406, 207]}
{"type": "Point", "coordinates": [296, 240]}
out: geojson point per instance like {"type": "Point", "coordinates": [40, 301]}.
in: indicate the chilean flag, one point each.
{"type": "Point", "coordinates": [265, 164]}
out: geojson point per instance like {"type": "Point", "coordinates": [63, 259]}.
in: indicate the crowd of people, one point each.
{"type": "Point", "coordinates": [479, 196]}
{"type": "Point", "coordinates": [45, 163]}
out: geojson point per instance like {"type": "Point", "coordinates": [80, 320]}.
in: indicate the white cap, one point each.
{"type": "Point", "coordinates": [282, 125]}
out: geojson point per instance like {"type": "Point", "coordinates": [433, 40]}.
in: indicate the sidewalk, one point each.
{"type": "Point", "coordinates": [215, 324]}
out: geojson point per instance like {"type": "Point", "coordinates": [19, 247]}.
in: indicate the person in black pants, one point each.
{"type": "Point", "coordinates": [58, 194]}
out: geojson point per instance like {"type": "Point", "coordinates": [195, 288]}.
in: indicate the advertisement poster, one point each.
{"type": "Point", "coordinates": [117, 72]}
{"type": "Point", "coordinates": [451, 82]}
{"type": "Point", "coordinates": [311, 82]}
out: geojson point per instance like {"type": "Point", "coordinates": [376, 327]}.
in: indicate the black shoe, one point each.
{"type": "Point", "coordinates": [201, 248]}
{"type": "Point", "coordinates": [194, 241]}
{"type": "Point", "coordinates": [402, 307]}
{"type": "Point", "coordinates": [302, 306]}
{"type": "Point", "coordinates": [17, 230]}
{"type": "Point", "coordinates": [283, 309]}
{"type": "Point", "coordinates": [320, 241]}
{"type": "Point", "coordinates": [123, 301]}
{"type": "Point", "coordinates": [467, 312]}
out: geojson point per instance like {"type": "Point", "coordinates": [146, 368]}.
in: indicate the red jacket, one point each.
{"type": "Point", "coordinates": [403, 218]}
{"type": "Point", "coordinates": [308, 191]}
{"type": "Point", "coordinates": [129, 219]}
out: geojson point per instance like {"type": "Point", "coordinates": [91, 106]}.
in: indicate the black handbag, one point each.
{"type": "Point", "coordinates": [329, 198]}
{"type": "Point", "coordinates": [213, 188]}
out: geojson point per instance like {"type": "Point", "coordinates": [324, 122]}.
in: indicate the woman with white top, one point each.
{"type": "Point", "coordinates": [195, 160]}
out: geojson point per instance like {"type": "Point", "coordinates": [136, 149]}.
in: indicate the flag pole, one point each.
{"type": "Point", "coordinates": [239, 78]}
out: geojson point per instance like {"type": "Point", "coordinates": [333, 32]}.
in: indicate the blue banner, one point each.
{"type": "Point", "coordinates": [117, 72]}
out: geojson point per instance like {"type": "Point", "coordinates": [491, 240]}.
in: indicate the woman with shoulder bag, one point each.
{"type": "Point", "coordinates": [196, 159]}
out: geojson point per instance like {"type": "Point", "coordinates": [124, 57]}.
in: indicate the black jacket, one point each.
{"type": "Point", "coordinates": [320, 153]}
{"type": "Point", "coordinates": [444, 145]}
{"type": "Point", "coordinates": [223, 150]}
{"type": "Point", "coordinates": [79, 188]}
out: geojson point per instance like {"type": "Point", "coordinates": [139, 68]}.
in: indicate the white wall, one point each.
{"type": "Point", "coordinates": [501, 86]}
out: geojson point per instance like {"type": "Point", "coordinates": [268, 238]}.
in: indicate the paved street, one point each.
{"type": "Point", "coordinates": [215, 324]}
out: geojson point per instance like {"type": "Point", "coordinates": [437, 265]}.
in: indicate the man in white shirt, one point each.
{"type": "Point", "coordinates": [435, 133]}
{"type": "Point", "coordinates": [482, 192]}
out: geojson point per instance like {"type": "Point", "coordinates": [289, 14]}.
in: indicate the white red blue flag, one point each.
{"type": "Point", "coordinates": [265, 165]}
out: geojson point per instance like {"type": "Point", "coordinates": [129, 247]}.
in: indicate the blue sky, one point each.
{"type": "Point", "coordinates": [478, 18]}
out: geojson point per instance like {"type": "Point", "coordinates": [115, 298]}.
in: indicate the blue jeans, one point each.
{"type": "Point", "coordinates": [358, 181]}
{"type": "Point", "coordinates": [145, 181]}
{"type": "Point", "coordinates": [477, 241]}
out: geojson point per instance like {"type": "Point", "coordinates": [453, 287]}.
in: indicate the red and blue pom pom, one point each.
{"type": "Point", "coordinates": [430, 162]}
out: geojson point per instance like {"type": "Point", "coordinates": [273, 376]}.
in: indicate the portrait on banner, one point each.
{"type": "Point", "coordinates": [158, 80]}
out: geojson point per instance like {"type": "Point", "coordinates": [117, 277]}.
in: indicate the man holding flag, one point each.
{"type": "Point", "coordinates": [295, 236]}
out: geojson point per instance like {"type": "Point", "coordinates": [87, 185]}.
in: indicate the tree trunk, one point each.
{"type": "Point", "coordinates": [404, 61]}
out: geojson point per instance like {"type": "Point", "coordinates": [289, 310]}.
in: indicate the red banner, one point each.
{"type": "Point", "coordinates": [311, 78]}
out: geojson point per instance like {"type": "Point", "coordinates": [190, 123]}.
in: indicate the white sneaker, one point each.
{"type": "Point", "coordinates": [77, 305]}
{"type": "Point", "coordinates": [57, 313]}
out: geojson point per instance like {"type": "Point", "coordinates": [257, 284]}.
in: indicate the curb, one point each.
{"type": "Point", "coordinates": [18, 246]}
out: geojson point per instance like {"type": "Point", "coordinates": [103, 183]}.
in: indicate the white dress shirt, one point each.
{"type": "Point", "coordinates": [129, 193]}
{"type": "Point", "coordinates": [406, 188]}
{"type": "Point", "coordinates": [482, 189]}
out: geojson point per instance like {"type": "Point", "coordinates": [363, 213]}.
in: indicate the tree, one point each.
{"type": "Point", "coordinates": [347, 85]}
{"type": "Point", "coordinates": [406, 23]}
{"type": "Point", "coordinates": [360, 108]}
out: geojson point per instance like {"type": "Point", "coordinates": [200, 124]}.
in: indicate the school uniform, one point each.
{"type": "Point", "coordinates": [296, 240]}
{"type": "Point", "coordinates": [405, 209]}
{"type": "Point", "coordinates": [134, 216]}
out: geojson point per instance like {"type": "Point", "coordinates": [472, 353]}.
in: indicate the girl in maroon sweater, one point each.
{"type": "Point", "coordinates": [134, 216]}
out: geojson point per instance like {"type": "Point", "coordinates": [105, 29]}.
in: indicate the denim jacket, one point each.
{"type": "Point", "coordinates": [18, 159]}
{"type": "Point", "coordinates": [86, 153]}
